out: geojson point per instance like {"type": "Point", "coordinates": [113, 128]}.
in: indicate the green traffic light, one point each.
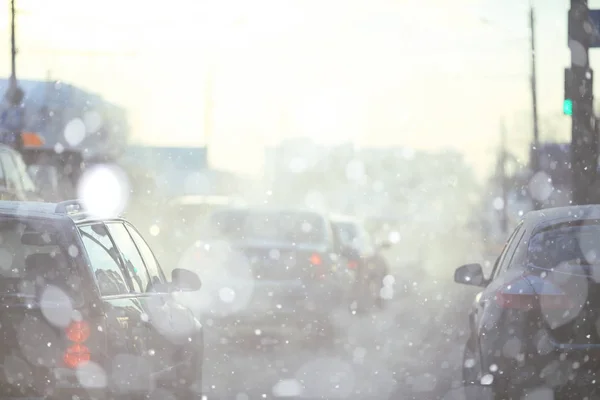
{"type": "Point", "coordinates": [568, 107]}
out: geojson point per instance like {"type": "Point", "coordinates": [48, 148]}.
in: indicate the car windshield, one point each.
{"type": "Point", "coordinates": [31, 256]}
{"type": "Point", "coordinates": [270, 226]}
{"type": "Point", "coordinates": [565, 244]}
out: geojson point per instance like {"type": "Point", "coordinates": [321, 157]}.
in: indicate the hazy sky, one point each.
{"type": "Point", "coordinates": [427, 74]}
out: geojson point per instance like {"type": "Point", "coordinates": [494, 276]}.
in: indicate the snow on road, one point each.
{"type": "Point", "coordinates": [410, 350]}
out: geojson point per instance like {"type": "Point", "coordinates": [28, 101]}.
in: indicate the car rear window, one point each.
{"type": "Point", "coordinates": [565, 243]}
{"type": "Point", "coordinates": [270, 226]}
{"type": "Point", "coordinates": [33, 256]}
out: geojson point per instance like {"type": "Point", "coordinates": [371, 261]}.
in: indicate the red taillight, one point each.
{"type": "Point", "coordinates": [521, 295]}
{"type": "Point", "coordinates": [529, 301]}
{"type": "Point", "coordinates": [77, 352]}
{"type": "Point", "coordinates": [515, 301]}
{"type": "Point", "coordinates": [315, 259]}
{"type": "Point", "coordinates": [78, 331]}
{"type": "Point", "coordinates": [352, 264]}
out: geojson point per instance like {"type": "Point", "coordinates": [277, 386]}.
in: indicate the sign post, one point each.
{"type": "Point", "coordinates": [582, 35]}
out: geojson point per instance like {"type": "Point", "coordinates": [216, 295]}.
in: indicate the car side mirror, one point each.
{"type": "Point", "coordinates": [185, 280]}
{"type": "Point", "coordinates": [470, 274]}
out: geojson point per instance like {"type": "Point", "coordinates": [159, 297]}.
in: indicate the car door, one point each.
{"type": "Point", "coordinates": [126, 332]}
{"type": "Point", "coordinates": [500, 267]}
{"type": "Point", "coordinates": [169, 325]}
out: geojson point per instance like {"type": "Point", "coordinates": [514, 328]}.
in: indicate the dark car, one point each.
{"type": "Point", "coordinates": [365, 256]}
{"type": "Point", "coordinates": [536, 323]}
{"type": "Point", "coordinates": [55, 175]}
{"type": "Point", "coordinates": [87, 312]}
{"type": "Point", "coordinates": [296, 276]}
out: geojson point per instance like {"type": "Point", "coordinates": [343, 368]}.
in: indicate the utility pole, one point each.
{"type": "Point", "coordinates": [503, 180]}
{"type": "Point", "coordinates": [584, 142]}
{"type": "Point", "coordinates": [13, 117]}
{"type": "Point", "coordinates": [535, 148]}
{"type": "Point", "coordinates": [14, 95]}
{"type": "Point", "coordinates": [13, 44]}
{"type": "Point", "coordinates": [536, 133]}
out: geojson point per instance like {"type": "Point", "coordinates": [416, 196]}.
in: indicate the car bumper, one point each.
{"type": "Point", "coordinates": [550, 365]}
{"type": "Point", "coordinates": [274, 324]}
{"type": "Point", "coordinates": [63, 383]}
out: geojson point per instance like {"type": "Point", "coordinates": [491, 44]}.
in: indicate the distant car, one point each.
{"type": "Point", "coordinates": [181, 222]}
{"type": "Point", "coordinates": [535, 323]}
{"type": "Point", "coordinates": [56, 175]}
{"type": "Point", "coordinates": [87, 311]}
{"type": "Point", "coordinates": [15, 182]}
{"type": "Point", "coordinates": [365, 256]}
{"type": "Point", "coordinates": [298, 279]}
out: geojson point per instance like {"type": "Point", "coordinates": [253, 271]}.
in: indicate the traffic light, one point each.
{"type": "Point", "coordinates": [579, 82]}
{"type": "Point", "coordinates": [568, 107]}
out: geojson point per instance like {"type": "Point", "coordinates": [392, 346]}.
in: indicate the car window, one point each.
{"type": "Point", "coordinates": [2, 176]}
{"type": "Point", "coordinates": [516, 245]}
{"type": "Point", "coordinates": [104, 260]}
{"type": "Point", "coordinates": [26, 180]}
{"type": "Point", "coordinates": [508, 249]}
{"type": "Point", "coordinates": [33, 254]}
{"type": "Point", "coordinates": [134, 265]}
{"type": "Point", "coordinates": [302, 228]}
{"type": "Point", "coordinates": [347, 232]}
{"type": "Point", "coordinates": [156, 274]}
{"type": "Point", "coordinates": [336, 238]}
{"type": "Point", "coordinates": [355, 236]}
{"type": "Point", "coordinates": [567, 243]}
{"type": "Point", "coordinates": [13, 179]}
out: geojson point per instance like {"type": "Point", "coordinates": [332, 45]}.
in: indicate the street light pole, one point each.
{"type": "Point", "coordinates": [13, 44]}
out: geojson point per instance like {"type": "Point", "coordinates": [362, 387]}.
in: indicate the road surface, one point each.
{"type": "Point", "coordinates": [411, 350]}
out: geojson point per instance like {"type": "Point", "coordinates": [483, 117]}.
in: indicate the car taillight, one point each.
{"type": "Point", "coordinates": [316, 259]}
{"type": "Point", "coordinates": [78, 331]}
{"type": "Point", "coordinates": [516, 301]}
{"type": "Point", "coordinates": [77, 352]}
{"type": "Point", "coordinates": [352, 264]}
{"type": "Point", "coordinates": [521, 295]}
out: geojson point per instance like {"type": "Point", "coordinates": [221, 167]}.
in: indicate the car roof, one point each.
{"type": "Point", "coordinates": [29, 208]}
{"type": "Point", "coordinates": [269, 209]}
{"type": "Point", "coordinates": [54, 211]}
{"type": "Point", "coordinates": [344, 219]}
{"type": "Point", "coordinates": [542, 218]}
{"type": "Point", "coordinates": [201, 200]}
